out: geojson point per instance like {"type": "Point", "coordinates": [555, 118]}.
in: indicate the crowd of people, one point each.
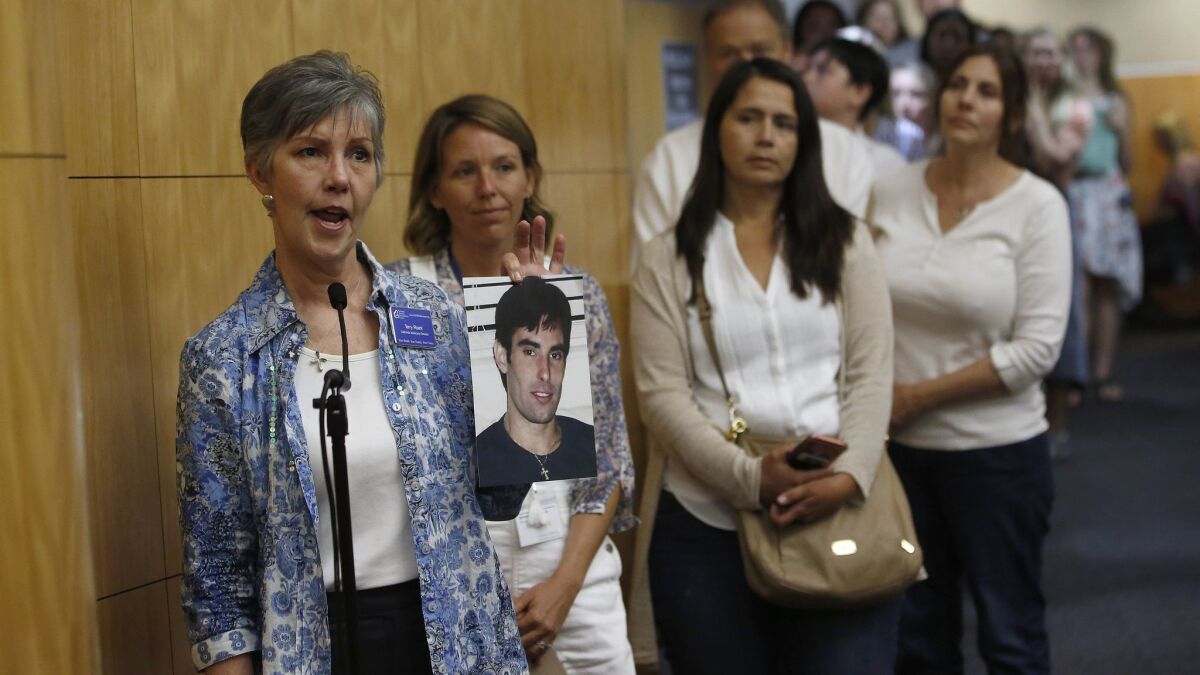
{"type": "Point", "coordinates": [922, 247]}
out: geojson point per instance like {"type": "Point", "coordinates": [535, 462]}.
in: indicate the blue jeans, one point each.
{"type": "Point", "coordinates": [981, 516]}
{"type": "Point", "coordinates": [711, 622]}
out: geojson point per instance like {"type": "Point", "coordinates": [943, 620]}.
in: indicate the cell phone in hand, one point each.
{"type": "Point", "coordinates": [815, 452]}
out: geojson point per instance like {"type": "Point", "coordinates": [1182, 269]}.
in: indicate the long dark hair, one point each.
{"type": "Point", "coordinates": [815, 229]}
{"type": "Point", "coordinates": [1108, 53]}
{"type": "Point", "coordinates": [1014, 94]}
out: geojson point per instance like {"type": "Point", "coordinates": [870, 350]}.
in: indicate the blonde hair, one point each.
{"type": "Point", "coordinates": [428, 227]}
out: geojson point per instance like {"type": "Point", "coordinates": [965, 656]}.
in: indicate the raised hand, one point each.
{"type": "Point", "coordinates": [527, 259]}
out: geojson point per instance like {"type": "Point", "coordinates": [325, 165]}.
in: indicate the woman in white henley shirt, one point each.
{"type": "Point", "coordinates": [977, 255]}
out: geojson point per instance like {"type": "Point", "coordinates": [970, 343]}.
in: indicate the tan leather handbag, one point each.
{"type": "Point", "coordinates": [864, 553]}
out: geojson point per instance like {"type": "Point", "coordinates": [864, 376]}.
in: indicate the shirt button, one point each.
{"type": "Point", "coordinates": [399, 390]}
{"type": "Point", "coordinates": [395, 407]}
{"type": "Point", "coordinates": [425, 549]}
{"type": "Point", "coordinates": [608, 547]}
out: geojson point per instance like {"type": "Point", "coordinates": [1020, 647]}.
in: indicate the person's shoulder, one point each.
{"type": "Point", "coordinates": [687, 135]}
{"type": "Point", "coordinates": [257, 311]}
{"type": "Point", "coordinates": [576, 426]}
{"type": "Point", "coordinates": [887, 158]}
{"type": "Point", "coordinates": [681, 140]}
{"type": "Point", "coordinates": [589, 282]}
{"type": "Point", "coordinates": [578, 440]}
{"type": "Point", "coordinates": [494, 432]}
{"type": "Point", "coordinates": [494, 447]}
{"type": "Point", "coordinates": [223, 336]}
{"type": "Point", "coordinates": [903, 180]}
{"type": "Point", "coordinates": [413, 290]}
{"type": "Point", "coordinates": [401, 267]}
{"type": "Point", "coordinates": [837, 139]}
{"type": "Point", "coordinates": [1037, 192]}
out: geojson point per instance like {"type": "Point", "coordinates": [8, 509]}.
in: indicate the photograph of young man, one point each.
{"type": "Point", "coordinates": [531, 441]}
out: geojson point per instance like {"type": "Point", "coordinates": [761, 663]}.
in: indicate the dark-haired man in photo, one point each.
{"type": "Point", "coordinates": [531, 441]}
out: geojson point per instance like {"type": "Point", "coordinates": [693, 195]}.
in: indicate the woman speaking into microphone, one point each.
{"type": "Point", "coordinates": [258, 573]}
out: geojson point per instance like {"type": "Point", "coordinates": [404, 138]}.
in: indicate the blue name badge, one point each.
{"type": "Point", "coordinates": [413, 327]}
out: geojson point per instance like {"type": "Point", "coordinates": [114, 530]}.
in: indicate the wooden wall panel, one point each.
{"type": "Point", "coordinates": [1150, 97]}
{"type": "Point", "coordinates": [474, 47]}
{"type": "Point", "coordinates": [576, 97]}
{"type": "Point", "coordinates": [384, 233]}
{"type": "Point", "coordinates": [592, 210]}
{"type": "Point", "coordinates": [47, 621]}
{"type": "Point", "coordinates": [30, 109]}
{"type": "Point", "coordinates": [647, 26]}
{"type": "Point", "coordinates": [195, 60]}
{"type": "Point", "coordinates": [100, 94]}
{"type": "Point", "coordinates": [381, 37]}
{"type": "Point", "coordinates": [181, 646]}
{"type": "Point", "coordinates": [118, 385]}
{"type": "Point", "coordinates": [205, 239]}
{"type": "Point", "coordinates": [134, 634]}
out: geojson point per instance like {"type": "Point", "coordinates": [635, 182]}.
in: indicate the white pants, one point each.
{"type": "Point", "coordinates": [593, 638]}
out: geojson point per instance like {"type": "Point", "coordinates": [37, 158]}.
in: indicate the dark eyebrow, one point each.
{"type": "Point", "coordinates": [528, 342]}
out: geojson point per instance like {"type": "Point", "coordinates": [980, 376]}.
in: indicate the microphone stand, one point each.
{"type": "Point", "coordinates": [333, 409]}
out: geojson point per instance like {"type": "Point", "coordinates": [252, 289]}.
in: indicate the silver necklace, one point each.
{"type": "Point", "coordinates": [541, 460]}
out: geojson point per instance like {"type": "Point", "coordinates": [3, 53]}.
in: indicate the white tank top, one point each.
{"type": "Point", "coordinates": [383, 543]}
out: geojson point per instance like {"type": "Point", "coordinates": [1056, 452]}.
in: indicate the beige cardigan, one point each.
{"type": "Point", "coordinates": [663, 368]}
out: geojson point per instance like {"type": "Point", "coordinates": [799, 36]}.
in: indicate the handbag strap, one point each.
{"type": "Point", "coordinates": [737, 424]}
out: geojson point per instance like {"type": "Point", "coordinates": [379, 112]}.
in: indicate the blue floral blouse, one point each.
{"type": "Point", "coordinates": [252, 578]}
{"type": "Point", "coordinates": [614, 464]}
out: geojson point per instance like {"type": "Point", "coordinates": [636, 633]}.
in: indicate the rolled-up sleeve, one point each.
{"type": "Point", "coordinates": [216, 515]}
{"type": "Point", "coordinates": [1043, 267]}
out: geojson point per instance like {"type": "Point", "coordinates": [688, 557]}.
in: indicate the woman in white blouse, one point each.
{"type": "Point", "coordinates": [977, 254]}
{"type": "Point", "coordinates": [796, 296]}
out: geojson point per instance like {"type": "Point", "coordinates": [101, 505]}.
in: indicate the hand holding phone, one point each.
{"type": "Point", "coordinates": [815, 452]}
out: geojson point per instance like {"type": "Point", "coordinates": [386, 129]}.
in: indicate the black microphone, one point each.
{"type": "Point", "coordinates": [337, 296]}
{"type": "Point", "coordinates": [337, 299]}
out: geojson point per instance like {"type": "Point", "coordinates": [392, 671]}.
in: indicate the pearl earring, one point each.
{"type": "Point", "coordinates": [268, 203]}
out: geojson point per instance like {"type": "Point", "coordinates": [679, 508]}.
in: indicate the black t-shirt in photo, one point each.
{"type": "Point", "coordinates": [501, 461]}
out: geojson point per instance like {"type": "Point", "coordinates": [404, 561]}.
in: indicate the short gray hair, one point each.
{"type": "Point", "coordinates": [293, 96]}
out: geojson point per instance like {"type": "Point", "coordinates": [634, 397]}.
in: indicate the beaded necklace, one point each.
{"type": "Point", "coordinates": [274, 404]}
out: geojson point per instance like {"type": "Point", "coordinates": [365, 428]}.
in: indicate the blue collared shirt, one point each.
{"type": "Point", "coordinates": [252, 578]}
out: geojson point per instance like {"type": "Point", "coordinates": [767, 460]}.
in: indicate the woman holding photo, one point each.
{"type": "Point", "coordinates": [475, 176]}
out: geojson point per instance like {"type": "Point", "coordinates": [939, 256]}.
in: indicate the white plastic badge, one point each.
{"type": "Point", "coordinates": [542, 520]}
